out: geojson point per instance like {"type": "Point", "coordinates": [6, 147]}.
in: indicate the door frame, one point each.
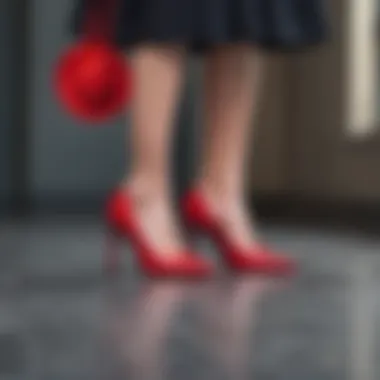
{"type": "Point", "coordinates": [326, 162]}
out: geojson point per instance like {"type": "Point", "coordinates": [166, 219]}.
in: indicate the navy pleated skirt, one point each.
{"type": "Point", "coordinates": [204, 24]}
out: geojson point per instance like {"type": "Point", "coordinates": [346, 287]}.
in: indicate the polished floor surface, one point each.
{"type": "Point", "coordinates": [61, 318]}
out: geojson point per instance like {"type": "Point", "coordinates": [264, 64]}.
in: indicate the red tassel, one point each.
{"type": "Point", "coordinates": [92, 78]}
{"type": "Point", "coordinates": [100, 21]}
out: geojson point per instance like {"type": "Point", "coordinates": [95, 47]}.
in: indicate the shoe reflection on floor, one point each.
{"type": "Point", "coordinates": [229, 311]}
{"type": "Point", "coordinates": [138, 327]}
{"type": "Point", "coordinates": [225, 311]}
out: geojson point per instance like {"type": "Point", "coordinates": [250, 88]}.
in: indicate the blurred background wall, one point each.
{"type": "Point", "coordinates": [301, 147]}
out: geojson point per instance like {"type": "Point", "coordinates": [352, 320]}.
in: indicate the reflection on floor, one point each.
{"type": "Point", "coordinates": [62, 319]}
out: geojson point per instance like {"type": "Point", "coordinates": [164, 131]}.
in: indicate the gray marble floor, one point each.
{"type": "Point", "coordinates": [61, 318]}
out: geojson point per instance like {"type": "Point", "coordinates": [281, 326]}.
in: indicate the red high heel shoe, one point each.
{"type": "Point", "coordinates": [121, 220]}
{"type": "Point", "coordinates": [259, 259]}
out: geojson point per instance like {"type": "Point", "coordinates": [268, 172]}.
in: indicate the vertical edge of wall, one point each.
{"type": "Point", "coordinates": [19, 104]}
{"type": "Point", "coordinates": [5, 122]}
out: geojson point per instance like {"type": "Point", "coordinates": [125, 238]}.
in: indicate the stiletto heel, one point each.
{"type": "Point", "coordinates": [258, 259]}
{"type": "Point", "coordinates": [120, 217]}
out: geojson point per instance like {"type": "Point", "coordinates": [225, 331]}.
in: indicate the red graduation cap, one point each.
{"type": "Point", "coordinates": [92, 78]}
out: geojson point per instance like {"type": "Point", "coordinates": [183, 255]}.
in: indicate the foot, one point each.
{"type": "Point", "coordinates": [158, 223]}
{"type": "Point", "coordinates": [231, 228]}
{"type": "Point", "coordinates": [155, 238]}
{"type": "Point", "coordinates": [233, 219]}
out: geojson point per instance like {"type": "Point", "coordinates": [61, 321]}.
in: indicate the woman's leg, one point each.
{"type": "Point", "coordinates": [232, 77]}
{"type": "Point", "coordinates": [158, 72]}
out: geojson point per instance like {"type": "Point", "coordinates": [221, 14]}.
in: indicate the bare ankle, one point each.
{"type": "Point", "coordinates": [146, 189]}
{"type": "Point", "coordinates": [220, 193]}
